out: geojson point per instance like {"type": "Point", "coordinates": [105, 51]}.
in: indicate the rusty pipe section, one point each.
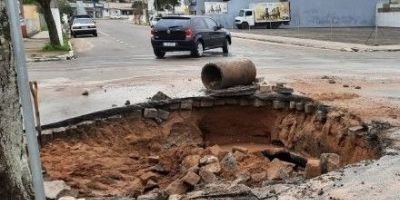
{"type": "Point", "coordinates": [220, 75]}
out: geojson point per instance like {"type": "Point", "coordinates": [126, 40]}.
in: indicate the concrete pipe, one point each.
{"type": "Point", "coordinates": [226, 74]}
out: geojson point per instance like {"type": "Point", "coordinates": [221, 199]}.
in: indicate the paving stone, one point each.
{"type": "Point", "coordinates": [300, 106]}
{"type": "Point", "coordinates": [330, 162]}
{"type": "Point", "coordinates": [278, 105]}
{"type": "Point", "coordinates": [207, 176]}
{"type": "Point", "coordinates": [231, 102]}
{"type": "Point", "coordinates": [313, 168]}
{"type": "Point", "coordinates": [356, 129]}
{"type": "Point", "coordinates": [190, 161]}
{"type": "Point", "coordinates": [162, 114]}
{"type": "Point", "coordinates": [240, 149]}
{"type": "Point", "coordinates": [207, 159]}
{"type": "Point", "coordinates": [53, 188]}
{"type": "Point", "coordinates": [187, 104]}
{"type": "Point", "coordinates": [309, 108]}
{"type": "Point", "coordinates": [206, 103]}
{"type": "Point", "coordinates": [177, 187]}
{"type": "Point", "coordinates": [196, 104]}
{"type": "Point", "coordinates": [150, 113]}
{"type": "Point", "coordinates": [292, 105]}
{"type": "Point", "coordinates": [229, 162]}
{"type": "Point", "coordinates": [244, 102]}
{"type": "Point", "coordinates": [259, 103]}
{"type": "Point", "coordinates": [212, 167]}
{"type": "Point", "coordinates": [148, 175]}
{"type": "Point", "coordinates": [191, 178]}
{"type": "Point", "coordinates": [219, 102]}
{"type": "Point", "coordinates": [174, 106]}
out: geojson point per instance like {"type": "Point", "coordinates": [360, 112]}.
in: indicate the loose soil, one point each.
{"type": "Point", "coordinates": [119, 156]}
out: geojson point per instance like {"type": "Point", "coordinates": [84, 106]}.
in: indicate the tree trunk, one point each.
{"type": "Point", "coordinates": [15, 178]}
{"type": "Point", "coordinates": [51, 24]}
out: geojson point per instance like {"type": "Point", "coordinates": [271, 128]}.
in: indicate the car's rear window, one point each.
{"type": "Point", "coordinates": [173, 22]}
{"type": "Point", "coordinates": [83, 21]}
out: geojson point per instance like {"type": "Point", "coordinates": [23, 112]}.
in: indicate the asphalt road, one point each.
{"type": "Point", "coordinates": [119, 65]}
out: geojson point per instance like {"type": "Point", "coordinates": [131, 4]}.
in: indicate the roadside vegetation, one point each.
{"type": "Point", "coordinates": [65, 47]}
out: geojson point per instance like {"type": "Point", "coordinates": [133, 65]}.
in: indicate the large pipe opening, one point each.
{"type": "Point", "coordinates": [211, 76]}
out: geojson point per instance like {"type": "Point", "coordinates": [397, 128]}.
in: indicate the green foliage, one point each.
{"type": "Point", "coordinates": [65, 47]}
{"type": "Point", "coordinates": [65, 8]}
{"type": "Point", "coordinates": [29, 2]}
{"type": "Point", "coordinates": [138, 7]}
{"type": "Point", "coordinates": [162, 4]}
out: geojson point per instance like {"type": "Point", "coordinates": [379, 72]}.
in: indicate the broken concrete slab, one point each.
{"type": "Point", "coordinates": [54, 188]}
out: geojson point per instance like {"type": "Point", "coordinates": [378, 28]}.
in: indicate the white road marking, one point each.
{"type": "Point", "coordinates": [101, 32]}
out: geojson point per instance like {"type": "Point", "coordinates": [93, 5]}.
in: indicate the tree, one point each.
{"type": "Point", "coordinates": [65, 8]}
{"type": "Point", "coordinates": [166, 4]}
{"type": "Point", "coordinates": [15, 178]}
{"type": "Point", "coordinates": [138, 7]}
{"type": "Point", "coordinates": [51, 24]}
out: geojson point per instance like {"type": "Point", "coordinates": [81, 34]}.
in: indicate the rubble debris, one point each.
{"type": "Point", "coordinates": [85, 93]}
{"type": "Point", "coordinates": [150, 113]}
{"type": "Point", "coordinates": [330, 162]}
{"type": "Point", "coordinates": [204, 148]}
{"type": "Point", "coordinates": [177, 187]}
{"type": "Point", "coordinates": [53, 189]}
{"type": "Point", "coordinates": [313, 168]}
{"type": "Point", "coordinates": [357, 87]}
{"type": "Point", "coordinates": [191, 178]}
{"type": "Point", "coordinates": [160, 96]}
{"type": "Point", "coordinates": [331, 81]}
{"type": "Point", "coordinates": [280, 88]}
{"type": "Point", "coordinates": [233, 91]}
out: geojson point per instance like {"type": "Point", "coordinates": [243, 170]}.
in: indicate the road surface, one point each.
{"type": "Point", "coordinates": [119, 65]}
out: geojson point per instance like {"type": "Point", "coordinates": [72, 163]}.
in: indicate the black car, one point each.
{"type": "Point", "coordinates": [188, 33]}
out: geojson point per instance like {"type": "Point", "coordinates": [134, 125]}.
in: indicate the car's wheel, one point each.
{"type": "Point", "coordinates": [245, 25]}
{"type": "Point", "coordinates": [159, 54]}
{"type": "Point", "coordinates": [199, 50]}
{"type": "Point", "coordinates": [73, 35]}
{"type": "Point", "coordinates": [225, 48]}
{"type": "Point", "coordinates": [95, 34]}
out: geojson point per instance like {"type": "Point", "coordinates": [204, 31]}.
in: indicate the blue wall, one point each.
{"type": "Point", "coordinates": [308, 13]}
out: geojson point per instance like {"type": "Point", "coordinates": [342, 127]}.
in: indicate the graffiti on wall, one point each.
{"type": "Point", "coordinates": [272, 11]}
{"type": "Point", "coordinates": [216, 7]}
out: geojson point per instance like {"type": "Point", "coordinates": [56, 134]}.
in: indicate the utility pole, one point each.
{"type": "Point", "coordinates": [25, 97]}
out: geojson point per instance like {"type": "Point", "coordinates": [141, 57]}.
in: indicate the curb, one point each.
{"type": "Point", "coordinates": [328, 45]}
{"type": "Point", "coordinates": [68, 56]}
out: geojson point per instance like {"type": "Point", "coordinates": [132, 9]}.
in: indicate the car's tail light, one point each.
{"type": "Point", "coordinates": [92, 26]}
{"type": "Point", "coordinates": [153, 32]}
{"type": "Point", "coordinates": [189, 33]}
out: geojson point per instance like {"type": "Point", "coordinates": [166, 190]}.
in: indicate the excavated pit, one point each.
{"type": "Point", "coordinates": [130, 155]}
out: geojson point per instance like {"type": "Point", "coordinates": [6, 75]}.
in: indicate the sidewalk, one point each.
{"type": "Point", "coordinates": [34, 52]}
{"type": "Point", "coordinates": [341, 44]}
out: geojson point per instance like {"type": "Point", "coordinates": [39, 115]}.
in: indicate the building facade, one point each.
{"type": "Point", "coordinates": [304, 13]}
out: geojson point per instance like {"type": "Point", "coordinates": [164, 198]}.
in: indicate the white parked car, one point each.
{"type": "Point", "coordinates": [115, 17]}
{"type": "Point", "coordinates": [81, 26]}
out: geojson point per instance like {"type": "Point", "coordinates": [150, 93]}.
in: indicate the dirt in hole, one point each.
{"type": "Point", "coordinates": [129, 156]}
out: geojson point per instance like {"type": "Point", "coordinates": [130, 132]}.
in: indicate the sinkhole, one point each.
{"type": "Point", "coordinates": [129, 154]}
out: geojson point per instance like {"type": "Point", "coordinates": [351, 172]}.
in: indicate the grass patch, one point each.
{"type": "Point", "coordinates": [65, 47]}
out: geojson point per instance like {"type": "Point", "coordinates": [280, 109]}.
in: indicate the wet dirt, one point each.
{"type": "Point", "coordinates": [375, 100]}
{"type": "Point", "coordinates": [120, 156]}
